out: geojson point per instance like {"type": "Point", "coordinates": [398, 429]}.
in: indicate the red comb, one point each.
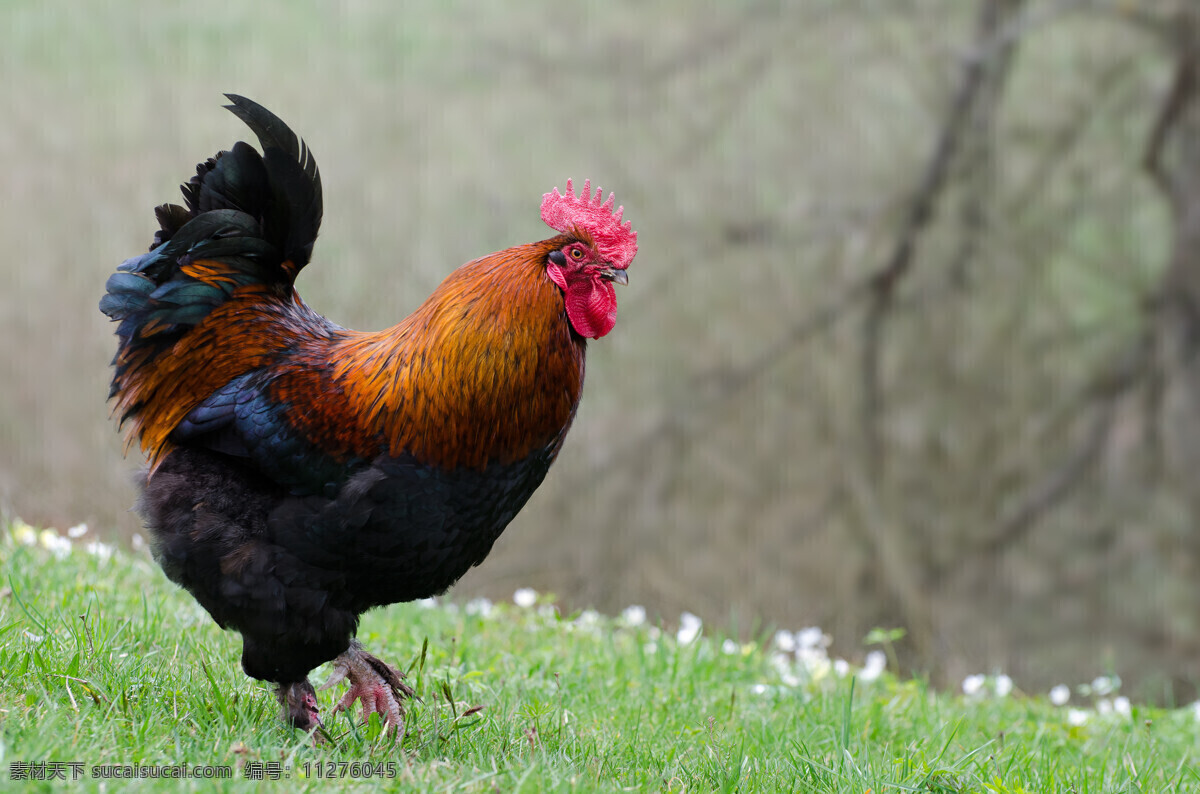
{"type": "Point", "coordinates": [616, 241]}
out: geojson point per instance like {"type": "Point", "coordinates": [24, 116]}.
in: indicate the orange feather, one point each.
{"type": "Point", "coordinates": [486, 369]}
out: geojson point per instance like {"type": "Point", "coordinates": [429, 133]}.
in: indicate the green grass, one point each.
{"type": "Point", "coordinates": [102, 661]}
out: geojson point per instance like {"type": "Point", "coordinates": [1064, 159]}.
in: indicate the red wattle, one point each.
{"type": "Point", "coordinates": [591, 307]}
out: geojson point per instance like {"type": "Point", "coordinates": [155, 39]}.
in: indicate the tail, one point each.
{"type": "Point", "coordinates": [249, 221]}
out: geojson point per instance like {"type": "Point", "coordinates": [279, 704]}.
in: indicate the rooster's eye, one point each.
{"type": "Point", "coordinates": [577, 254]}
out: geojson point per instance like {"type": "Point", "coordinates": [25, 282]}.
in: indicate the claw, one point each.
{"type": "Point", "coordinates": [373, 681]}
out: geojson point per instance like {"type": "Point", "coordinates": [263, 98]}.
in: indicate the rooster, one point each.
{"type": "Point", "coordinates": [300, 473]}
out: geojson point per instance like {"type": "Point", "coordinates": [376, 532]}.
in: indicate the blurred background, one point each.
{"type": "Point", "coordinates": [910, 342]}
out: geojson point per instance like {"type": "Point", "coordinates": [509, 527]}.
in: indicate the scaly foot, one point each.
{"type": "Point", "coordinates": [373, 681]}
{"type": "Point", "coordinates": [299, 705]}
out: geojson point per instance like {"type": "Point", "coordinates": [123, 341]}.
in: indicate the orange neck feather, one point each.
{"type": "Point", "coordinates": [487, 369]}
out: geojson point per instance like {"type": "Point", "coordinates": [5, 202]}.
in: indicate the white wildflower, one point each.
{"type": "Point", "coordinates": [98, 549]}
{"type": "Point", "coordinates": [589, 619]}
{"type": "Point", "coordinates": [24, 534]}
{"type": "Point", "coordinates": [1122, 706]}
{"type": "Point", "coordinates": [650, 648]}
{"type": "Point", "coordinates": [841, 668]}
{"type": "Point", "coordinates": [1196, 710]}
{"type": "Point", "coordinates": [77, 531]}
{"type": "Point", "coordinates": [1003, 685]}
{"type": "Point", "coordinates": [972, 685]}
{"type": "Point", "coordinates": [1106, 684]}
{"type": "Point", "coordinates": [525, 597]}
{"type": "Point", "coordinates": [812, 637]}
{"type": "Point", "coordinates": [815, 663]}
{"type": "Point", "coordinates": [479, 606]}
{"type": "Point", "coordinates": [634, 615]}
{"type": "Point", "coordinates": [785, 641]}
{"type": "Point", "coordinates": [1060, 694]}
{"type": "Point", "coordinates": [1077, 717]}
{"type": "Point", "coordinates": [729, 647]}
{"type": "Point", "coordinates": [55, 543]}
{"type": "Point", "coordinates": [873, 667]}
{"type": "Point", "coordinates": [782, 663]}
{"type": "Point", "coordinates": [761, 689]}
{"type": "Point", "coordinates": [426, 603]}
{"type": "Point", "coordinates": [137, 541]}
{"type": "Point", "coordinates": [689, 628]}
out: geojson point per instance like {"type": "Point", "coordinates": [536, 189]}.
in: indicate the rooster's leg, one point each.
{"type": "Point", "coordinates": [299, 705]}
{"type": "Point", "coordinates": [373, 681]}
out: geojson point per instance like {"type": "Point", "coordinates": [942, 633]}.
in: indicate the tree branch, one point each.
{"type": "Point", "coordinates": [976, 67]}
{"type": "Point", "coordinates": [1104, 394]}
{"type": "Point", "coordinates": [1182, 92]}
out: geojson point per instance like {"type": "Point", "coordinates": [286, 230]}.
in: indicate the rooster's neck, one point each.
{"type": "Point", "coordinates": [486, 370]}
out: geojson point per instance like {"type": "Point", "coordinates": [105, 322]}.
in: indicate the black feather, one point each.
{"type": "Point", "coordinates": [252, 213]}
{"type": "Point", "coordinates": [293, 219]}
{"type": "Point", "coordinates": [239, 181]}
{"type": "Point", "coordinates": [171, 218]}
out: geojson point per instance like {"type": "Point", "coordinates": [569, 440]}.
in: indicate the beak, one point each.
{"type": "Point", "coordinates": [615, 275]}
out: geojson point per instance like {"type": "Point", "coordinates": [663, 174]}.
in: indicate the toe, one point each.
{"type": "Point", "coordinates": [378, 685]}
